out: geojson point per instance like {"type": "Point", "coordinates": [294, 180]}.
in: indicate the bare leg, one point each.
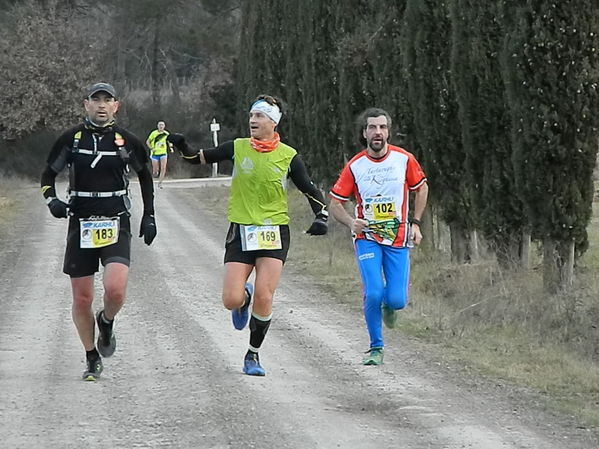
{"type": "Point", "coordinates": [236, 275]}
{"type": "Point", "coordinates": [163, 161]}
{"type": "Point", "coordinates": [83, 316]}
{"type": "Point", "coordinates": [155, 167]}
{"type": "Point", "coordinates": [268, 274]}
{"type": "Point", "coordinates": [115, 288]}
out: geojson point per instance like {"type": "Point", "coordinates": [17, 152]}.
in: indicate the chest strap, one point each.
{"type": "Point", "coordinates": [81, 194]}
{"type": "Point", "coordinates": [118, 140]}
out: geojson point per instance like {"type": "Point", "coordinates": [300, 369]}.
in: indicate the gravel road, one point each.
{"type": "Point", "coordinates": [176, 381]}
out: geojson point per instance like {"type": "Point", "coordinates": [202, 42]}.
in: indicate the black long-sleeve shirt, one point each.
{"type": "Point", "coordinates": [98, 172]}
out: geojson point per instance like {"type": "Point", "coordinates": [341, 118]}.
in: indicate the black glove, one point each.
{"type": "Point", "coordinates": [319, 225]}
{"type": "Point", "coordinates": [179, 142]}
{"type": "Point", "coordinates": [147, 228]}
{"type": "Point", "coordinates": [58, 208]}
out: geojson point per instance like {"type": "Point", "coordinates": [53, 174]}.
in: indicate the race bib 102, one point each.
{"type": "Point", "coordinates": [380, 208]}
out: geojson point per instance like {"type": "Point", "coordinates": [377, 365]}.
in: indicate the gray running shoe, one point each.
{"type": "Point", "coordinates": [106, 340]}
{"type": "Point", "coordinates": [93, 370]}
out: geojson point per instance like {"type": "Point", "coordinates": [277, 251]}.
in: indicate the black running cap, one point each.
{"type": "Point", "coordinates": [101, 87]}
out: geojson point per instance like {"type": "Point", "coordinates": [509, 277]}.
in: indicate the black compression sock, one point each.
{"type": "Point", "coordinates": [106, 320]}
{"type": "Point", "coordinates": [92, 355]}
{"type": "Point", "coordinates": [258, 329]}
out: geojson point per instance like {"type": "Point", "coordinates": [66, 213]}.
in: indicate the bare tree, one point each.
{"type": "Point", "coordinates": [45, 66]}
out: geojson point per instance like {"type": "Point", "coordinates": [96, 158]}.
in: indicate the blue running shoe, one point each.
{"type": "Point", "coordinates": [251, 365]}
{"type": "Point", "coordinates": [241, 316]}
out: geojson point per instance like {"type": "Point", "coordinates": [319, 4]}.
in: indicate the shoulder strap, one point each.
{"type": "Point", "coordinates": [76, 139]}
{"type": "Point", "coordinates": [127, 155]}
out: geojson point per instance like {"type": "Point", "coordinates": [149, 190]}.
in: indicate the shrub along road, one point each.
{"type": "Point", "coordinates": [176, 382]}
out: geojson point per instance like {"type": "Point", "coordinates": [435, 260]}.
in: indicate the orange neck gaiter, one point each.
{"type": "Point", "coordinates": [265, 146]}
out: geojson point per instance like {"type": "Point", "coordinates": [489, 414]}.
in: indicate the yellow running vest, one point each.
{"type": "Point", "coordinates": [259, 184]}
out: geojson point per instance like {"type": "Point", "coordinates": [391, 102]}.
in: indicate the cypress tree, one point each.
{"type": "Point", "coordinates": [477, 37]}
{"type": "Point", "coordinates": [358, 22]}
{"type": "Point", "coordinates": [322, 111]}
{"type": "Point", "coordinates": [370, 65]}
{"type": "Point", "coordinates": [551, 64]}
{"type": "Point", "coordinates": [436, 126]}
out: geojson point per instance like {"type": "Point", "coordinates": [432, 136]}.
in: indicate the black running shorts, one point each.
{"type": "Point", "coordinates": [79, 262]}
{"type": "Point", "coordinates": [234, 253]}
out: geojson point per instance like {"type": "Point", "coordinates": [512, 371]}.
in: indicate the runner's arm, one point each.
{"type": "Point", "coordinates": [144, 175]}
{"type": "Point", "coordinates": [147, 189]}
{"type": "Point", "coordinates": [48, 183]}
{"type": "Point", "coordinates": [338, 211]}
{"type": "Point", "coordinates": [222, 152]}
{"type": "Point", "coordinates": [299, 176]}
{"type": "Point", "coordinates": [56, 162]}
{"type": "Point", "coordinates": [147, 225]}
{"type": "Point", "coordinates": [420, 198]}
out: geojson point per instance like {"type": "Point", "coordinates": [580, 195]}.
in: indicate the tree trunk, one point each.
{"type": "Point", "coordinates": [155, 69]}
{"type": "Point", "coordinates": [525, 250]}
{"type": "Point", "coordinates": [550, 271]}
{"type": "Point", "coordinates": [428, 231]}
{"type": "Point", "coordinates": [558, 265]}
{"type": "Point", "coordinates": [460, 251]}
{"type": "Point", "coordinates": [175, 87]}
{"type": "Point", "coordinates": [473, 245]}
{"type": "Point", "coordinates": [566, 266]}
{"type": "Point", "coordinates": [508, 252]}
{"type": "Point", "coordinates": [119, 70]}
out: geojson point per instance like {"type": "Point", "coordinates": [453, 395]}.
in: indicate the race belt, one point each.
{"type": "Point", "coordinates": [81, 194]}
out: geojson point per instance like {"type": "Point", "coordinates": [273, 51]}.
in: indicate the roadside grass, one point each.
{"type": "Point", "coordinates": [9, 186]}
{"type": "Point", "coordinates": [500, 325]}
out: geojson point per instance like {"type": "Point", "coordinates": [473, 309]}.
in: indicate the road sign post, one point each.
{"type": "Point", "coordinates": [214, 128]}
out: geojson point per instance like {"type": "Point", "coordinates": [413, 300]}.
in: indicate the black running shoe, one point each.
{"type": "Point", "coordinates": [106, 343]}
{"type": "Point", "coordinates": [93, 370]}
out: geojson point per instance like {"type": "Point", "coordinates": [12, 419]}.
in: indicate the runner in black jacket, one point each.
{"type": "Point", "coordinates": [99, 155]}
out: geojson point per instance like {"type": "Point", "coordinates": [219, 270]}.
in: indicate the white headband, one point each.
{"type": "Point", "coordinates": [271, 111]}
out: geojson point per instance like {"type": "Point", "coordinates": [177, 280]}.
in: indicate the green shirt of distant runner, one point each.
{"type": "Point", "coordinates": [158, 145]}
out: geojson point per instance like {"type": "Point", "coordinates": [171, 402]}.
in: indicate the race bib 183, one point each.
{"type": "Point", "coordinates": [98, 232]}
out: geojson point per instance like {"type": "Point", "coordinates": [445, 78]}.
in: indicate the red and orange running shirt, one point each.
{"type": "Point", "coordinates": [381, 188]}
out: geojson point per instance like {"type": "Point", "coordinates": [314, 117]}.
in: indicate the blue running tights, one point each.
{"type": "Point", "coordinates": [385, 272]}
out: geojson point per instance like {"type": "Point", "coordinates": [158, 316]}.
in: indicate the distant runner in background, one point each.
{"type": "Point", "coordinates": [158, 145]}
{"type": "Point", "coordinates": [258, 236]}
{"type": "Point", "coordinates": [380, 179]}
